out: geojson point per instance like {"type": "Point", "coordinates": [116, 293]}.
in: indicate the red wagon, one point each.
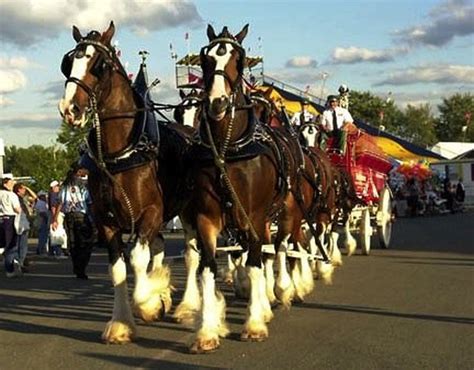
{"type": "Point", "coordinates": [368, 168]}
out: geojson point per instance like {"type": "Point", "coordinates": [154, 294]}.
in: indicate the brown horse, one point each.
{"type": "Point", "coordinates": [230, 191]}
{"type": "Point", "coordinates": [133, 166]}
{"type": "Point", "coordinates": [310, 186]}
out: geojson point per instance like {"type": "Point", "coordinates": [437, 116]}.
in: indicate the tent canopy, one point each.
{"type": "Point", "coordinates": [395, 147]}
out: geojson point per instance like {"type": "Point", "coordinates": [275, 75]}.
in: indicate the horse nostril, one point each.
{"type": "Point", "coordinates": [75, 110]}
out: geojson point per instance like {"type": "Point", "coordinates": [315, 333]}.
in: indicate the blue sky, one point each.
{"type": "Point", "coordinates": [419, 50]}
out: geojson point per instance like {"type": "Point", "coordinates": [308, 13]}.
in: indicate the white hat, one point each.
{"type": "Point", "coordinates": [53, 184]}
{"type": "Point", "coordinates": [7, 176]}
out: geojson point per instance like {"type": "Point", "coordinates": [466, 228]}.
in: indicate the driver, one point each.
{"type": "Point", "coordinates": [334, 121]}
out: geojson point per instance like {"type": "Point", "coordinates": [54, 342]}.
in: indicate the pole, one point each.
{"type": "Point", "coordinates": [324, 76]}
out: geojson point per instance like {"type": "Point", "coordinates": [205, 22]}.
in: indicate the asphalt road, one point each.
{"type": "Point", "coordinates": [409, 307]}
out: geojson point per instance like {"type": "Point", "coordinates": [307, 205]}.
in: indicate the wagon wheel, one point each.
{"type": "Point", "coordinates": [365, 232]}
{"type": "Point", "coordinates": [384, 219]}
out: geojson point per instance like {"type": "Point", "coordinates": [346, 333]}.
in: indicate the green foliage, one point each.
{"type": "Point", "coordinates": [455, 112]}
{"type": "Point", "coordinates": [418, 125]}
{"type": "Point", "coordinates": [367, 107]}
{"type": "Point", "coordinates": [44, 164]}
{"type": "Point", "coordinates": [72, 138]}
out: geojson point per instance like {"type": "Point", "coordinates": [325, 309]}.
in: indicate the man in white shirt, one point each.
{"type": "Point", "coordinates": [9, 208]}
{"type": "Point", "coordinates": [333, 121]}
{"type": "Point", "coordinates": [303, 116]}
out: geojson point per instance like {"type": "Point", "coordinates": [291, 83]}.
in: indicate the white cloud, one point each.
{"type": "Point", "coordinates": [12, 80]}
{"type": "Point", "coordinates": [301, 62]}
{"type": "Point", "coordinates": [5, 101]}
{"type": "Point", "coordinates": [355, 54]}
{"type": "Point", "coordinates": [449, 19]}
{"type": "Point", "coordinates": [25, 23]}
{"type": "Point", "coordinates": [441, 74]}
{"type": "Point", "coordinates": [14, 62]}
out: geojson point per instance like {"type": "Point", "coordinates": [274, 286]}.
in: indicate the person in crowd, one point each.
{"type": "Point", "coordinates": [303, 116]}
{"type": "Point", "coordinates": [22, 223]}
{"type": "Point", "coordinates": [9, 208]}
{"type": "Point", "coordinates": [73, 199]}
{"type": "Point", "coordinates": [334, 121]}
{"type": "Point", "coordinates": [54, 249]}
{"type": "Point", "coordinates": [413, 197]}
{"type": "Point", "coordinates": [42, 213]}
{"type": "Point", "coordinates": [448, 194]}
{"type": "Point", "coordinates": [460, 192]}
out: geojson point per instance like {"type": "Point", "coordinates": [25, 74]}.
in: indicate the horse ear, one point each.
{"type": "Point", "coordinates": [76, 34]}
{"type": "Point", "coordinates": [211, 34]}
{"type": "Point", "coordinates": [182, 95]}
{"type": "Point", "coordinates": [241, 35]}
{"type": "Point", "coordinates": [107, 35]}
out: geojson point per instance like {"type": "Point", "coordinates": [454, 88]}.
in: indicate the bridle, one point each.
{"type": "Point", "coordinates": [234, 84]}
{"type": "Point", "coordinates": [106, 59]}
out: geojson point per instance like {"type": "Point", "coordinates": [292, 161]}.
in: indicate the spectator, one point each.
{"type": "Point", "coordinates": [53, 203]}
{"type": "Point", "coordinates": [22, 223]}
{"type": "Point", "coordinates": [413, 196]}
{"type": "Point", "coordinates": [9, 208]}
{"type": "Point", "coordinates": [460, 192]}
{"type": "Point", "coordinates": [448, 194]}
{"type": "Point", "coordinates": [42, 212]}
{"type": "Point", "coordinates": [73, 199]}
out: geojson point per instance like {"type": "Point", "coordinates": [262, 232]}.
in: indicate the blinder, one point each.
{"type": "Point", "coordinates": [97, 68]}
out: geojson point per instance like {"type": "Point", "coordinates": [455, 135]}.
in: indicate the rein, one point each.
{"type": "Point", "coordinates": [219, 161]}
{"type": "Point", "coordinates": [99, 161]}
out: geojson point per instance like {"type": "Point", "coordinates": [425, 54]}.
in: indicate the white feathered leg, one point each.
{"type": "Point", "coordinates": [212, 325]}
{"type": "Point", "coordinates": [284, 289]}
{"type": "Point", "coordinates": [191, 303]}
{"type": "Point", "coordinates": [306, 273]}
{"type": "Point", "coordinates": [121, 328]}
{"type": "Point", "coordinates": [324, 269]}
{"type": "Point", "coordinates": [255, 328]}
{"type": "Point", "coordinates": [270, 279]}
{"type": "Point", "coordinates": [350, 242]}
{"type": "Point", "coordinates": [152, 293]}
{"type": "Point", "coordinates": [241, 278]}
{"type": "Point", "coordinates": [336, 256]}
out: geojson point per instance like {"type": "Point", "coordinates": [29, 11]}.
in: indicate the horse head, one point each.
{"type": "Point", "coordinates": [86, 68]}
{"type": "Point", "coordinates": [188, 112]}
{"type": "Point", "coordinates": [222, 62]}
{"type": "Point", "coordinates": [265, 108]}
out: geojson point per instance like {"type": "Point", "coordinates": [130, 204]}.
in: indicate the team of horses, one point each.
{"type": "Point", "coordinates": [230, 165]}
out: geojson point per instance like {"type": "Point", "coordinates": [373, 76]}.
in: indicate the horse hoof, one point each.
{"type": "Point", "coordinates": [117, 332]}
{"type": "Point", "coordinates": [254, 336]}
{"type": "Point", "coordinates": [185, 317]}
{"type": "Point", "coordinates": [204, 346]}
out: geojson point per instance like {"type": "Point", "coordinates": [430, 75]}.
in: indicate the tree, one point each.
{"type": "Point", "coordinates": [375, 111]}
{"type": "Point", "coordinates": [43, 164]}
{"type": "Point", "coordinates": [455, 114]}
{"type": "Point", "coordinates": [72, 139]}
{"type": "Point", "coordinates": [418, 125]}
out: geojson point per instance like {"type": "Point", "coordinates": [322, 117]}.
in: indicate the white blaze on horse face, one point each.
{"type": "Point", "coordinates": [190, 114]}
{"type": "Point", "coordinates": [79, 71]}
{"type": "Point", "coordinates": [218, 86]}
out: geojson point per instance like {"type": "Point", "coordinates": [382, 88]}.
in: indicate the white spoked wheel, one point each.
{"type": "Point", "coordinates": [384, 219]}
{"type": "Point", "coordinates": [365, 232]}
